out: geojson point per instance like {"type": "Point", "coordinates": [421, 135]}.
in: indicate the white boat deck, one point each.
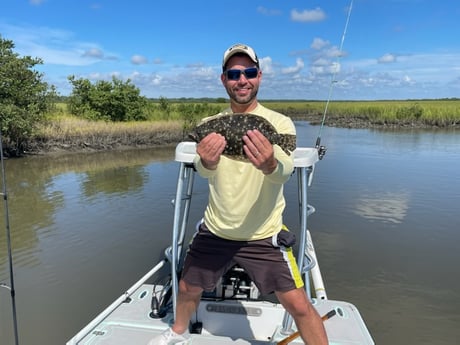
{"type": "Point", "coordinates": [258, 321]}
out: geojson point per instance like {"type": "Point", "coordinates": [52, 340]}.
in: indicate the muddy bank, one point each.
{"type": "Point", "coordinates": [121, 141]}
{"type": "Point", "coordinates": [341, 121]}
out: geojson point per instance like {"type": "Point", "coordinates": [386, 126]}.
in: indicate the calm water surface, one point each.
{"type": "Point", "coordinates": [87, 226]}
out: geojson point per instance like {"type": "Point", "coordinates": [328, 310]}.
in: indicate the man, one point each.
{"type": "Point", "coordinates": [244, 212]}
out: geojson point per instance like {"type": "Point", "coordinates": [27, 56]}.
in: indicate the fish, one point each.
{"type": "Point", "coordinates": [234, 126]}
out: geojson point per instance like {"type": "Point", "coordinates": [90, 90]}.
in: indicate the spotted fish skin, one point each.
{"type": "Point", "coordinates": [234, 126]}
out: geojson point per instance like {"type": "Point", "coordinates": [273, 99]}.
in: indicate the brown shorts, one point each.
{"type": "Point", "coordinates": [270, 267]}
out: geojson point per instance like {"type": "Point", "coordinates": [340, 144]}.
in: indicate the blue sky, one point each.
{"type": "Point", "coordinates": [393, 49]}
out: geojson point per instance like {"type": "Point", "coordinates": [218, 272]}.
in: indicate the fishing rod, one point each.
{"type": "Point", "coordinates": [322, 149]}
{"type": "Point", "coordinates": [8, 243]}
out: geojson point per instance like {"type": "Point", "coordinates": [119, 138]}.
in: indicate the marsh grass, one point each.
{"type": "Point", "coordinates": [169, 122]}
{"type": "Point", "coordinates": [420, 113]}
{"type": "Point", "coordinates": [72, 133]}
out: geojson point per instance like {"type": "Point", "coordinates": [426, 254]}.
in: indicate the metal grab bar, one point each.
{"type": "Point", "coordinates": [182, 204]}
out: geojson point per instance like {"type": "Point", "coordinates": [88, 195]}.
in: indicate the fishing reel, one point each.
{"type": "Point", "coordinates": [161, 299]}
{"type": "Point", "coordinates": [321, 151]}
{"type": "Point", "coordinates": [321, 148]}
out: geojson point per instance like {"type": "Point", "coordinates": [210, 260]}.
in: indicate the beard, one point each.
{"type": "Point", "coordinates": [247, 99]}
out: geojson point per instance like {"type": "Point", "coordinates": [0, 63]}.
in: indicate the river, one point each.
{"type": "Point", "coordinates": [386, 228]}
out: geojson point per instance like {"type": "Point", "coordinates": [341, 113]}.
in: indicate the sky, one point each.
{"type": "Point", "coordinates": [390, 49]}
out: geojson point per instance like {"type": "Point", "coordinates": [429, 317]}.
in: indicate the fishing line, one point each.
{"type": "Point", "coordinates": [8, 243]}
{"type": "Point", "coordinates": [322, 149]}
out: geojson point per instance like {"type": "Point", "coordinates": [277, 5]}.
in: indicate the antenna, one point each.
{"type": "Point", "coordinates": [322, 149]}
{"type": "Point", "coordinates": [8, 243]}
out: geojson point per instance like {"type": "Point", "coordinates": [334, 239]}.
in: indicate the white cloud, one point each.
{"type": "Point", "coordinates": [315, 15]}
{"type": "Point", "coordinates": [156, 79]}
{"type": "Point", "coordinates": [53, 46]}
{"type": "Point", "coordinates": [94, 53]}
{"type": "Point", "coordinates": [64, 57]}
{"type": "Point", "coordinates": [407, 79]}
{"type": "Point", "coordinates": [319, 43]}
{"type": "Point", "coordinates": [321, 70]}
{"type": "Point", "coordinates": [299, 65]}
{"type": "Point", "coordinates": [139, 60]}
{"type": "Point", "coordinates": [334, 68]}
{"type": "Point", "coordinates": [321, 62]}
{"type": "Point", "coordinates": [387, 58]}
{"type": "Point", "coordinates": [204, 72]}
{"type": "Point", "coordinates": [266, 65]}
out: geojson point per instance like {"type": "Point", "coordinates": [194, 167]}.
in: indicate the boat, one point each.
{"type": "Point", "coordinates": [235, 312]}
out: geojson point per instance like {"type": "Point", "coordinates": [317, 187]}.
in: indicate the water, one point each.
{"type": "Point", "coordinates": [86, 226]}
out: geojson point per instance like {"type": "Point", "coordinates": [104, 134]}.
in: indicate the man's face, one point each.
{"type": "Point", "coordinates": [243, 90]}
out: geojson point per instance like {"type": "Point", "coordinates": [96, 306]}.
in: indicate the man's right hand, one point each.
{"type": "Point", "coordinates": [210, 148]}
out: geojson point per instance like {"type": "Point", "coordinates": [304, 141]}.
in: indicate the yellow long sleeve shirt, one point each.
{"type": "Point", "coordinates": [244, 204]}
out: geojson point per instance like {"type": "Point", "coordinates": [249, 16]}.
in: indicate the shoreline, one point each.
{"type": "Point", "coordinates": [55, 147]}
{"type": "Point", "coordinates": [171, 137]}
{"type": "Point", "coordinates": [357, 122]}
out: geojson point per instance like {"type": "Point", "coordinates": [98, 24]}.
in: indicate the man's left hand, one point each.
{"type": "Point", "coordinates": [259, 150]}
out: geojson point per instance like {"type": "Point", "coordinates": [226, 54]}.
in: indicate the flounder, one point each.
{"type": "Point", "coordinates": [234, 126]}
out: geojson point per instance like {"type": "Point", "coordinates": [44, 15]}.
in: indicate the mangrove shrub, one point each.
{"type": "Point", "coordinates": [109, 101]}
{"type": "Point", "coordinates": [24, 97]}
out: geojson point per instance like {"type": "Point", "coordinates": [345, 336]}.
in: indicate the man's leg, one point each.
{"type": "Point", "coordinates": [306, 317]}
{"type": "Point", "coordinates": [187, 302]}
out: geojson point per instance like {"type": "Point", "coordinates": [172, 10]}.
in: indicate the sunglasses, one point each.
{"type": "Point", "coordinates": [235, 74]}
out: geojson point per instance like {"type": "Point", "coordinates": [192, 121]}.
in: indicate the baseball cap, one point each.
{"type": "Point", "coordinates": [240, 48]}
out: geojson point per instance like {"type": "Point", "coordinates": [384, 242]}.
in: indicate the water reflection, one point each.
{"type": "Point", "coordinates": [383, 206]}
{"type": "Point", "coordinates": [38, 187]}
